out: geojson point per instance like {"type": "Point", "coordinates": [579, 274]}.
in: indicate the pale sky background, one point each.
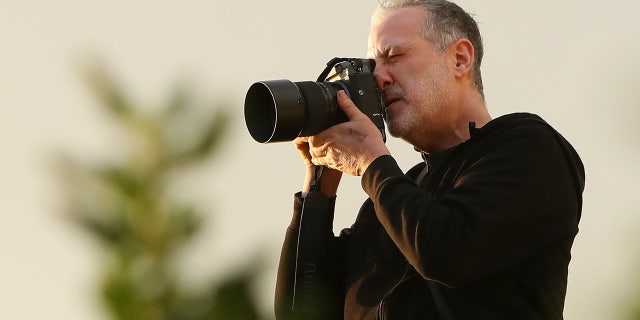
{"type": "Point", "coordinates": [575, 63]}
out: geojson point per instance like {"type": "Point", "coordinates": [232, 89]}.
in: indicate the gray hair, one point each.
{"type": "Point", "coordinates": [445, 24]}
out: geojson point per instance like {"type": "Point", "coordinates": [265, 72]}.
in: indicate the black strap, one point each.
{"type": "Point", "coordinates": [323, 75]}
{"type": "Point", "coordinates": [314, 184]}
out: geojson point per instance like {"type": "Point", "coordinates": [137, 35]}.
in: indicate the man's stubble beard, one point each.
{"type": "Point", "coordinates": [427, 98]}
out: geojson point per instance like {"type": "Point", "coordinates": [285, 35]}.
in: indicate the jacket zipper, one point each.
{"type": "Point", "coordinates": [381, 307]}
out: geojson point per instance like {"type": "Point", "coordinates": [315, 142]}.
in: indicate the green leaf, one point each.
{"type": "Point", "coordinates": [207, 142]}
{"type": "Point", "coordinates": [232, 300]}
{"type": "Point", "coordinates": [109, 231]}
{"type": "Point", "coordinates": [106, 90]}
{"type": "Point", "coordinates": [122, 180]}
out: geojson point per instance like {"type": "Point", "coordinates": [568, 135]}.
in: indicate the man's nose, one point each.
{"type": "Point", "coordinates": [383, 78]}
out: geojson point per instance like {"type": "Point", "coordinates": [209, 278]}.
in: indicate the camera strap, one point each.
{"type": "Point", "coordinates": [323, 75]}
{"type": "Point", "coordinates": [314, 184]}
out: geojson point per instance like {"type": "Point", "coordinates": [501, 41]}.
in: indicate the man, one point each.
{"type": "Point", "coordinates": [482, 229]}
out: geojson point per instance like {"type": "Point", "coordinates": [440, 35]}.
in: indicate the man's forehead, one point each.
{"type": "Point", "coordinates": [391, 29]}
{"type": "Point", "coordinates": [381, 16]}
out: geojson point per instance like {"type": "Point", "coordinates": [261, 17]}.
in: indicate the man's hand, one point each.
{"type": "Point", "coordinates": [349, 147]}
{"type": "Point", "coordinates": [330, 178]}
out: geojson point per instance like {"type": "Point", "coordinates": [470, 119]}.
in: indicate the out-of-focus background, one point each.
{"type": "Point", "coordinates": [575, 63]}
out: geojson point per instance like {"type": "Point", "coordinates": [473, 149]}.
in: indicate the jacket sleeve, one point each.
{"type": "Point", "coordinates": [309, 281]}
{"type": "Point", "coordinates": [517, 199]}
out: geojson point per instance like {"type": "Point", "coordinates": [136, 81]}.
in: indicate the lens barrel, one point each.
{"type": "Point", "coordinates": [274, 111]}
{"type": "Point", "coordinates": [281, 110]}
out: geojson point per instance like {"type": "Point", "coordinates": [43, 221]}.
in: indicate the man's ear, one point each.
{"type": "Point", "coordinates": [464, 53]}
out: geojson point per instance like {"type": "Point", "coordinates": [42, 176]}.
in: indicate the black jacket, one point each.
{"type": "Point", "coordinates": [486, 234]}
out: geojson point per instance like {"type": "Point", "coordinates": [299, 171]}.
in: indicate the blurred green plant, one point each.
{"type": "Point", "coordinates": [126, 205]}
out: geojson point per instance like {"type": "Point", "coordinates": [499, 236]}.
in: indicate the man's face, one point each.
{"type": "Point", "coordinates": [414, 77]}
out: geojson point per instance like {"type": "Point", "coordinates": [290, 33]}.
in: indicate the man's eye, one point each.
{"type": "Point", "coordinates": [392, 57]}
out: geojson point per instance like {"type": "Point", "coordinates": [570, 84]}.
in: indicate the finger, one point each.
{"type": "Point", "coordinates": [301, 140]}
{"type": "Point", "coordinates": [316, 157]}
{"type": "Point", "coordinates": [348, 107]}
{"type": "Point", "coordinates": [301, 144]}
{"type": "Point", "coordinates": [303, 149]}
{"type": "Point", "coordinates": [318, 152]}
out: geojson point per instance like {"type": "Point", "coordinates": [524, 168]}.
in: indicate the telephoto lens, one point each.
{"type": "Point", "coordinates": [282, 110]}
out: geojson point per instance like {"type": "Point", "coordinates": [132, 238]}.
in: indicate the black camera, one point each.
{"type": "Point", "coordinates": [281, 110]}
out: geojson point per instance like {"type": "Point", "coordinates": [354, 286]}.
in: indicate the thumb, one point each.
{"type": "Point", "coordinates": [348, 107]}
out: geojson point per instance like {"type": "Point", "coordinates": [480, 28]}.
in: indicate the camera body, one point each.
{"type": "Point", "coordinates": [281, 110]}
